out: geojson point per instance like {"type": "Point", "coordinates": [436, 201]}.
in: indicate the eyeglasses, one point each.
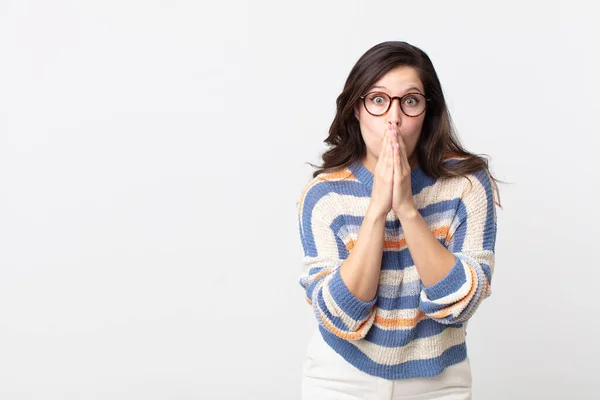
{"type": "Point", "coordinates": [411, 104]}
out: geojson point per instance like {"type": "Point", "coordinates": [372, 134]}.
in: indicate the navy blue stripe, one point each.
{"type": "Point", "coordinates": [396, 260]}
{"type": "Point", "coordinates": [449, 284]}
{"type": "Point", "coordinates": [489, 233]}
{"type": "Point", "coordinates": [336, 321]}
{"type": "Point", "coordinates": [476, 300]}
{"type": "Point", "coordinates": [410, 369]}
{"type": "Point", "coordinates": [311, 198]}
{"type": "Point", "coordinates": [353, 307]}
{"type": "Point", "coordinates": [398, 303]}
{"type": "Point", "coordinates": [488, 272]}
{"type": "Point", "coordinates": [343, 252]}
{"type": "Point", "coordinates": [439, 207]}
{"type": "Point", "coordinates": [458, 238]}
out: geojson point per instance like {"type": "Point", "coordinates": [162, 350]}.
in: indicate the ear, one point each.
{"type": "Point", "coordinates": [356, 112]}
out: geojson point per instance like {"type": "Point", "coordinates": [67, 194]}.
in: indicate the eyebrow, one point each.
{"type": "Point", "coordinates": [407, 90]}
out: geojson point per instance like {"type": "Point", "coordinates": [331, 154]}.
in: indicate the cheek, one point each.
{"type": "Point", "coordinates": [411, 136]}
{"type": "Point", "coordinates": [415, 131]}
{"type": "Point", "coordinates": [372, 135]}
{"type": "Point", "coordinates": [370, 128]}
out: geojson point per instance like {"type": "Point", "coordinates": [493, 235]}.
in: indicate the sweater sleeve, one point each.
{"type": "Point", "coordinates": [334, 305]}
{"type": "Point", "coordinates": [472, 238]}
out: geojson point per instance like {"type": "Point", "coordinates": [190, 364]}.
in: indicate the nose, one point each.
{"type": "Point", "coordinates": [394, 114]}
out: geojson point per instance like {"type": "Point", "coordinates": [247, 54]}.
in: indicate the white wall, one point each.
{"type": "Point", "coordinates": [151, 157]}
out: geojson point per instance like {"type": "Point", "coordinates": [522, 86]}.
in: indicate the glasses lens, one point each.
{"type": "Point", "coordinates": [413, 104]}
{"type": "Point", "coordinates": [377, 103]}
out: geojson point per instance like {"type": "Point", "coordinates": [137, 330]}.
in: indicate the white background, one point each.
{"type": "Point", "coordinates": [152, 154]}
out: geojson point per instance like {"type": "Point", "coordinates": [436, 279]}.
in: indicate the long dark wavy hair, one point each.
{"type": "Point", "coordinates": [438, 139]}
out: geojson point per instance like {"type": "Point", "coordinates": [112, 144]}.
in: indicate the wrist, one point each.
{"type": "Point", "coordinates": [374, 216]}
{"type": "Point", "coordinates": [407, 212]}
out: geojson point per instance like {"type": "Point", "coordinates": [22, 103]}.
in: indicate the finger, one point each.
{"type": "Point", "coordinates": [398, 157]}
{"type": "Point", "coordinates": [394, 140]}
{"type": "Point", "coordinates": [384, 142]}
{"type": "Point", "coordinates": [389, 165]}
{"type": "Point", "coordinates": [394, 135]}
{"type": "Point", "coordinates": [384, 158]}
{"type": "Point", "coordinates": [403, 154]}
{"type": "Point", "coordinates": [397, 166]}
{"type": "Point", "coordinates": [382, 153]}
{"type": "Point", "coordinates": [401, 148]}
{"type": "Point", "coordinates": [390, 146]}
{"type": "Point", "coordinates": [393, 144]}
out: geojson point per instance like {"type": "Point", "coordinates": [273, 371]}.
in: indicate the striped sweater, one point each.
{"type": "Point", "coordinates": [408, 330]}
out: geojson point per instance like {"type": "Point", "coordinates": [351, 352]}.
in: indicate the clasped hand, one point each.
{"type": "Point", "coordinates": [392, 188]}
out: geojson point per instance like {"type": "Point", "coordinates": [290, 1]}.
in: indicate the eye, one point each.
{"type": "Point", "coordinates": [378, 99]}
{"type": "Point", "coordinates": [412, 101]}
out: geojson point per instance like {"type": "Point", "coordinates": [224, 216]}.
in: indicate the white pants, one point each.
{"type": "Point", "coordinates": [327, 375]}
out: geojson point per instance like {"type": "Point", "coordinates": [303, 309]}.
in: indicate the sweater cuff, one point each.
{"type": "Point", "coordinates": [453, 281]}
{"type": "Point", "coordinates": [347, 301]}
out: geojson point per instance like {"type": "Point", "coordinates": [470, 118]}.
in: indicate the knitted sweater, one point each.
{"type": "Point", "coordinates": [408, 330]}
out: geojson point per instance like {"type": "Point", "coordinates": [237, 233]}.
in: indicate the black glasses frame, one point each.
{"type": "Point", "coordinates": [364, 99]}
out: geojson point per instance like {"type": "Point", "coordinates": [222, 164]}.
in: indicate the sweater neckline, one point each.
{"type": "Point", "coordinates": [364, 176]}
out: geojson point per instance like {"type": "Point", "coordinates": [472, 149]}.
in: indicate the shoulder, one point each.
{"type": "Point", "coordinates": [323, 188]}
{"type": "Point", "coordinates": [318, 205]}
{"type": "Point", "coordinates": [480, 178]}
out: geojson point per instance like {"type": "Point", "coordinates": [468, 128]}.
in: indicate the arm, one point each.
{"type": "Point", "coordinates": [341, 292]}
{"type": "Point", "coordinates": [360, 272]}
{"type": "Point", "coordinates": [456, 280]}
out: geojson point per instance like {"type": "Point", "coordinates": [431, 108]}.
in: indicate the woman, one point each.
{"type": "Point", "coordinates": [398, 228]}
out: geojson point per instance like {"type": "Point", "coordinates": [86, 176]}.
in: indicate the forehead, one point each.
{"type": "Point", "coordinates": [399, 79]}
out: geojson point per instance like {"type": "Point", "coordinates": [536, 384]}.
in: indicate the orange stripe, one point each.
{"type": "Point", "coordinates": [387, 244]}
{"type": "Point", "coordinates": [322, 273]}
{"type": "Point", "coordinates": [442, 231]}
{"type": "Point", "coordinates": [444, 313]}
{"type": "Point", "coordinates": [399, 322]}
{"type": "Point", "coordinates": [336, 175]}
{"type": "Point", "coordinates": [383, 322]}
{"type": "Point", "coordinates": [339, 333]}
{"type": "Point", "coordinates": [345, 335]}
{"type": "Point", "coordinates": [394, 244]}
{"type": "Point", "coordinates": [401, 243]}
